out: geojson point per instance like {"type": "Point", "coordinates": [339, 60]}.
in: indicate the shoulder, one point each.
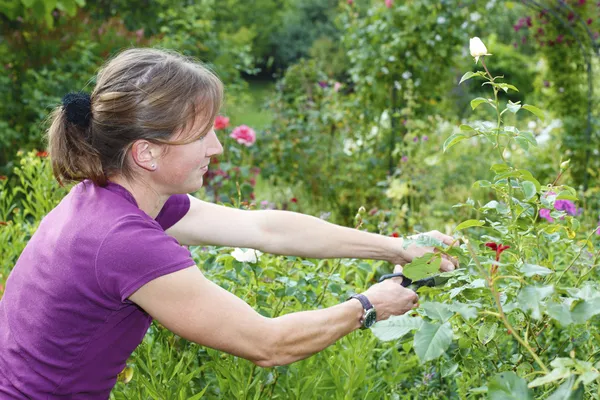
{"type": "Point", "coordinates": [134, 251]}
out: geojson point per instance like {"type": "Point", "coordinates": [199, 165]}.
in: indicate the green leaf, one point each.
{"type": "Point", "coordinates": [466, 311]}
{"type": "Point", "coordinates": [513, 107]}
{"type": "Point", "coordinates": [534, 110]}
{"type": "Point", "coordinates": [467, 76]}
{"type": "Point", "coordinates": [432, 340]}
{"type": "Point", "coordinates": [499, 168]}
{"type": "Point", "coordinates": [486, 332]}
{"type": "Point", "coordinates": [453, 139]}
{"type": "Point", "coordinates": [566, 195]}
{"type": "Point", "coordinates": [529, 137]}
{"type": "Point", "coordinates": [482, 184]}
{"type": "Point", "coordinates": [507, 86]}
{"type": "Point", "coordinates": [437, 311]}
{"type": "Point", "coordinates": [566, 392]}
{"type": "Point", "coordinates": [530, 298]}
{"type": "Point", "coordinates": [199, 395]}
{"type": "Point", "coordinates": [466, 128]}
{"type": "Point", "coordinates": [527, 176]}
{"type": "Point", "coordinates": [528, 189]}
{"type": "Point", "coordinates": [423, 267]}
{"type": "Point", "coordinates": [530, 270]}
{"type": "Point", "coordinates": [585, 310]}
{"type": "Point", "coordinates": [522, 142]}
{"type": "Point", "coordinates": [469, 223]}
{"type": "Point", "coordinates": [554, 375]}
{"type": "Point", "coordinates": [69, 6]}
{"type": "Point", "coordinates": [508, 386]}
{"type": "Point", "coordinates": [477, 101]}
{"type": "Point", "coordinates": [396, 327]}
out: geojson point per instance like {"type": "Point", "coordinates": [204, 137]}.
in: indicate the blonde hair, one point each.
{"type": "Point", "coordinates": [139, 94]}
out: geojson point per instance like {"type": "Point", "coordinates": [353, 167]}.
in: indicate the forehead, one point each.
{"type": "Point", "coordinates": [197, 125]}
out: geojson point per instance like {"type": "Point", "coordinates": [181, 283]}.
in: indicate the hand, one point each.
{"type": "Point", "coordinates": [413, 251]}
{"type": "Point", "coordinates": [391, 298]}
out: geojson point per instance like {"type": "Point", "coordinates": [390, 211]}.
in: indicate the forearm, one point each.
{"type": "Point", "coordinates": [290, 233]}
{"type": "Point", "coordinates": [299, 335]}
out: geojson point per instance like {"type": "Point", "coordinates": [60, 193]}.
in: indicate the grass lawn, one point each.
{"type": "Point", "coordinates": [249, 108]}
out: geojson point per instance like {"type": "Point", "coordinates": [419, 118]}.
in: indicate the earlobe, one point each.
{"type": "Point", "coordinates": [143, 155]}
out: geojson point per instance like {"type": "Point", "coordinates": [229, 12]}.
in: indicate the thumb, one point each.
{"type": "Point", "coordinates": [397, 269]}
{"type": "Point", "coordinates": [446, 265]}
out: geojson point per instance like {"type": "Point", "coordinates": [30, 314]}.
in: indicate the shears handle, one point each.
{"type": "Point", "coordinates": [405, 281]}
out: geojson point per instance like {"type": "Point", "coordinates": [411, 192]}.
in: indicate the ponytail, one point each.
{"type": "Point", "coordinates": [73, 157]}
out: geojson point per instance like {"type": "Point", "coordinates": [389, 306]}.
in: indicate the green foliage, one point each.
{"type": "Point", "coordinates": [38, 11]}
{"type": "Point", "coordinates": [302, 23]}
{"type": "Point", "coordinates": [564, 34]}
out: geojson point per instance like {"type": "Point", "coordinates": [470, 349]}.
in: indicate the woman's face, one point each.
{"type": "Point", "coordinates": [182, 167]}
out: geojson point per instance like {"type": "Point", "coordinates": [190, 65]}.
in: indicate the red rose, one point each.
{"type": "Point", "coordinates": [221, 122]}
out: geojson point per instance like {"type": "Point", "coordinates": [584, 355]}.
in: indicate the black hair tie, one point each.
{"type": "Point", "coordinates": [78, 107]}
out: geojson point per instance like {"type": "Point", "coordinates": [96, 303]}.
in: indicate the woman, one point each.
{"type": "Point", "coordinates": [109, 258]}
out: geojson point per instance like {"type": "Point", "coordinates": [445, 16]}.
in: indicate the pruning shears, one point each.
{"type": "Point", "coordinates": [436, 280]}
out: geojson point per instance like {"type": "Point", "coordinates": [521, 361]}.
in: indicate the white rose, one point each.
{"type": "Point", "coordinates": [477, 48]}
{"type": "Point", "coordinates": [246, 255]}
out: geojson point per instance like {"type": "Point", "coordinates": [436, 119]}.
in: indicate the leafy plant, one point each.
{"type": "Point", "coordinates": [531, 299]}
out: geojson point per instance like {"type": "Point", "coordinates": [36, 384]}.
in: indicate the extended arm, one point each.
{"type": "Point", "coordinates": [196, 309]}
{"type": "Point", "coordinates": [280, 232]}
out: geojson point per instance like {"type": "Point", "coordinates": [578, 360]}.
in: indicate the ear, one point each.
{"type": "Point", "coordinates": [145, 154]}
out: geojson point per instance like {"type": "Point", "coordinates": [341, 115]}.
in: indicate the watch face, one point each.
{"type": "Point", "coordinates": [370, 318]}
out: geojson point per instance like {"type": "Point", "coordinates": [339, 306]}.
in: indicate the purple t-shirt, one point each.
{"type": "Point", "coordinates": [66, 324]}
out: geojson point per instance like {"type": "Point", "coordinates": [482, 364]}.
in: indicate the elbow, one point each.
{"type": "Point", "coordinates": [272, 351]}
{"type": "Point", "coordinates": [273, 361]}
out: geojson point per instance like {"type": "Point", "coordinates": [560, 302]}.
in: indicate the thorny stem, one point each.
{"type": "Point", "coordinates": [486, 70]}
{"type": "Point", "coordinates": [500, 150]}
{"type": "Point", "coordinates": [503, 317]}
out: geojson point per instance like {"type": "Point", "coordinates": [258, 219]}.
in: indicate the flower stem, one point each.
{"type": "Point", "coordinates": [486, 69]}
{"type": "Point", "coordinates": [577, 256]}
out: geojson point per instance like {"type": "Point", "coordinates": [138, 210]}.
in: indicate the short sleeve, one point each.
{"type": "Point", "coordinates": [174, 209]}
{"type": "Point", "coordinates": [134, 252]}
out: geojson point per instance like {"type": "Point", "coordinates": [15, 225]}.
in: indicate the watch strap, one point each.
{"type": "Point", "coordinates": [363, 300]}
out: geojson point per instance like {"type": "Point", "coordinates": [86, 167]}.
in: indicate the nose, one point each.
{"type": "Point", "coordinates": [215, 148]}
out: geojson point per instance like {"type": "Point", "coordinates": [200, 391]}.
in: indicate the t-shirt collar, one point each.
{"type": "Point", "coordinates": [120, 190]}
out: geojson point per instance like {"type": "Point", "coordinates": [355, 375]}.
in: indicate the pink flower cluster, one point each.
{"type": "Point", "coordinates": [244, 135]}
{"type": "Point", "coordinates": [560, 205]}
{"type": "Point", "coordinates": [221, 122]}
{"type": "Point", "coordinates": [545, 17]}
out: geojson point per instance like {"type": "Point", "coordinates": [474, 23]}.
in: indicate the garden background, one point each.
{"type": "Point", "coordinates": [371, 114]}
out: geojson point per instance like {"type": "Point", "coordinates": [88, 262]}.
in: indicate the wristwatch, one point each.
{"type": "Point", "coordinates": [369, 316]}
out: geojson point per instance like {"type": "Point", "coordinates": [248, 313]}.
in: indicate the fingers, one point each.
{"type": "Point", "coordinates": [398, 269]}
{"type": "Point", "coordinates": [447, 240]}
{"type": "Point", "coordinates": [448, 263]}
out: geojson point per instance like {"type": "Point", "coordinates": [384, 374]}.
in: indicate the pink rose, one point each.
{"type": "Point", "coordinates": [388, 3]}
{"type": "Point", "coordinates": [221, 122]}
{"type": "Point", "coordinates": [244, 135]}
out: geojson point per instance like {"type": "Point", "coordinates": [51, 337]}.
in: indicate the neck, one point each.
{"type": "Point", "coordinates": [147, 198]}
